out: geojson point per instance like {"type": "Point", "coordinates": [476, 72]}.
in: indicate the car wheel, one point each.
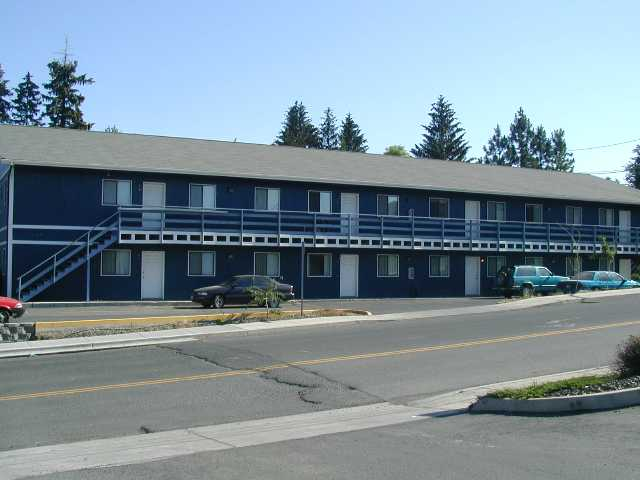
{"type": "Point", "coordinates": [527, 291]}
{"type": "Point", "coordinates": [4, 316]}
{"type": "Point", "coordinates": [218, 301]}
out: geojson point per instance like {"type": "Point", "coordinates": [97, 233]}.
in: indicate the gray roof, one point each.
{"type": "Point", "coordinates": [148, 153]}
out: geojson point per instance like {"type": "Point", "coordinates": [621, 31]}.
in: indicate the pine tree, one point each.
{"type": "Point", "coordinates": [559, 158]}
{"type": "Point", "coordinates": [396, 151]}
{"type": "Point", "coordinates": [329, 131]}
{"type": "Point", "coordinates": [26, 106]}
{"type": "Point", "coordinates": [5, 93]}
{"type": "Point", "coordinates": [297, 129]}
{"type": "Point", "coordinates": [520, 137]}
{"type": "Point", "coordinates": [351, 139]}
{"type": "Point", "coordinates": [444, 137]}
{"type": "Point", "coordinates": [63, 100]}
{"type": "Point", "coordinates": [633, 169]}
{"type": "Point", "coordinates": [540, 149]}
{"type": "Point", "coordinates": [495, 152]}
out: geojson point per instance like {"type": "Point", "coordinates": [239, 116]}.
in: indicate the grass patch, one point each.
{"type": "Point", "coordinates": [547, 389]}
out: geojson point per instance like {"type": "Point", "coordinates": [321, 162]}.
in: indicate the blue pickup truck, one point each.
{"type": "Point", "coordinates": [527, 280]}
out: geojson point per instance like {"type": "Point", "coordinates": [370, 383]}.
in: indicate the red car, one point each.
{"type": "Point", "coordinates": [10, 307]}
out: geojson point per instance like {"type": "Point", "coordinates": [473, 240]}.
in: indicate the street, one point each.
{"type": "Point", "coordinates": [230, 378]}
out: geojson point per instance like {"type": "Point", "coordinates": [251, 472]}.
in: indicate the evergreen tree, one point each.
{"type": "Point", "coordinates": [633, 169]}
{"type": "Point", "coordinates": [351, 139]}
{"type": "Point", "coordinates": [5, 93]}
{"type": "Point", "coordinates": [444, 137]}
{"type": "Point", "coordinates": [396, 151]}
{"type": "Point", "coordinates": [495, 152]}
{"type": "Point", "coordinates": [559, 158]}
{"type": "Point", "coordinates": [540, 149]}
{"type": "Point", "coordinates": [297, 129]}
{"type": "Point", "coordinates": [114, 129]}
{"type": "Point", "coordinates": [63, 100]}
{"type": "Point", "coordinates": [26, 106]}
{"type": "Point", "coordinates": [519, 153]}
{"type": "Point", "coordinates": [329, 131]}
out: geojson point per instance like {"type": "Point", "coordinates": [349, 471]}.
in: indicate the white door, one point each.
{"type": "Point", "coordinates": [348, 275]}
{"type": "Point", "coordinates": [152, 196]}
{"type": "Point", "coordinates": [472, 276]}
{"type": "Point", "coordinates": [625, 226]}
{"type": "Point", "coordinates": [152, 275]}
{"type": "Point", "coordinates": [349, 209]}
{"type": "Point", "coordinates": [472, 212]}
{"type": "Point", "coordinates": [624, 267]}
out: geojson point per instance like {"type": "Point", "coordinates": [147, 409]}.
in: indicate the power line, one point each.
{"type": "Point", "coordinates": [604, 146]}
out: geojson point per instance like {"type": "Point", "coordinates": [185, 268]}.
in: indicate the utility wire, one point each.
{"type": "Point", "coordinates": [604, 146]}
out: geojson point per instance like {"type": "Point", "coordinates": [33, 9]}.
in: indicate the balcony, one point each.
{"type": "Point", "coordinates": [320, 230]}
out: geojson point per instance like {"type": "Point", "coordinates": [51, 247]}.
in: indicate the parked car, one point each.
{"type": "Point", "coordinates": [527, 280]}
{"type": "Point", "coordinates": [236, 291]}
{"type": "Point", "coordinates": [602, 280]}
{"type": "Point", "coordinates": [10, 307]}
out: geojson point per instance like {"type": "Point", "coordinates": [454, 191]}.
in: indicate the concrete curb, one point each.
{"type": "Point", "coordinates": [550, 405]}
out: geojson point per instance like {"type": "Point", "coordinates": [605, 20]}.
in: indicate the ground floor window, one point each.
{"type": "Point", "coordinates": [574, 266]}
{"type": "Point", "coordinates": [115, 263]}
{"type": "Point", "coordinates": [438, 266]}
{"type": "Point", "coordinates": [535, 261]}
{"type": "Point", "coordinates": [202, 264]}
{"type": "Point", "coordinates": [267, 264]}
{"type": "Point", "coordinates": [388, 265]}
{"type": "Point", "coordinates": [494, 264]}
{"type": "Point", "coordinates": [319, 265]}
{"type": "Point", "coordinates": [604, 264]}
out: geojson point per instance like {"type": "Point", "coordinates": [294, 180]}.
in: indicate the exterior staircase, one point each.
{"type": "Point", "coordinates": [69, 258]}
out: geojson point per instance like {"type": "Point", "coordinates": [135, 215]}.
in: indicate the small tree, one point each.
{"type": "Point", "coordinates": [633, 169]}
{"type": "Point", "coordinates": [396, 151]}
{"type": "Point", "coordinates": [607, 252]}
{"type": "Point", "coordinates": [270, 297]}
{"type": "Point", "coordinates": [351, 139]}
{"type": "Point", "coordinates": [112, 129]}
{"type": "Point", "coordinates": [26, 105]}
{"type": "Point", "coordinates": [329, 131]}
{"type": "Point", "coordinates": [297, 129]}
{"type": "Point", "coordinates": [5, 93]}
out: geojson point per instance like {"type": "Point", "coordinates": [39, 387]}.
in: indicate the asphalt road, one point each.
{"type": "Point", "coordinates": [130, 391]}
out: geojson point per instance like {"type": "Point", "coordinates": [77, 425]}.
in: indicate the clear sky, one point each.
{"type": "Point", "coordinates": [229, 69]}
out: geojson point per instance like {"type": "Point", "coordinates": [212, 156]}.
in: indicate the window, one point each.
{"type": "Point", "coordinates": [494, 264]}
{"type": "Point", "coordinates": [202, 196]}
{"type": "Point", "coordinates": [115, 263]}
{"type": "Point", "coordinates": [604, 264]}
{"type": "Point", "coordinates": [388, 266]}
{"type": "Point", "coordinates": [267, 199]}
{"type": "Point", "coordinates": [116, 192]}
{"type": "Point", "coordinates": [615, 277]}
{"type": "Point", "coordinates": [544, 272]}
{"type": "Point", "coordinates": [574, 266]}
{"type": "Point", "coordinates": [266, 264]}
{"type": "Point", "coordinates": [533, 213]}
{"type": "Point", "coordinates": [525, 272]}
{"type": "Point", "coordinates": [439, 207]}
{"type": "Point", "coordinates": [585, 276]}
{"type": "Point", "coordinates": [202, 264]}
{"type": "Point", "coordinates": [319, 265]}
{"type": "Point", "coordinates": [319, 202]}
{"type": "Point", "coordinates": [496, 211]}
{"type": "Point", "coordinates": [263, 282]}
{"type": "Point", "coordinates": [388, 205]}
{"type": "Point", "coordinates": [536, 261]}
{"type": "Point", "coordinates": [605, 216]}
{"type": "Point", "coordinates": [438, 266]}
{"type": "Point", "coordinates": [574, 215]}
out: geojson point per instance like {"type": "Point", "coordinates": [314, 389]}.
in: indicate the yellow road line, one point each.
{"type": "Point", "coordinates": [318, 361]}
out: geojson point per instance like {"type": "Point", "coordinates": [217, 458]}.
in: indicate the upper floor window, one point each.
{"type": "Point", "coordinates": [115, 263]}
{"type": "Point", "coordinates": [533, 213]}
{"type": "Point", "coordinates": [439, 207]}
{"type": "Point", "coordinates": [574, 215]}
{"type": "Point", "coordinates": [388, 265]}
{"type": "Point", "coordinates": [605, 217]}
{"type": "Point", "coordinates": [116, 192]}
{"type": "Point", "coordinates": [389, 205]}
{"type": "Point", "coordinates": [497, 211]}
{"type": "Point", "coordinates": [266, 264]}
{"type": "Point", "coordinates": [202, 196]}
{"type": "Point", "coordinates": [319, 202]}
{"type": "Point", "coordinates": [202, 264]}
{"type": "Point", "coordinates": [267, 199]}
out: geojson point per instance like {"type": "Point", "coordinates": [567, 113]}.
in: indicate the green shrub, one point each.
{"type": "Point", "coordinates": [627, 362]}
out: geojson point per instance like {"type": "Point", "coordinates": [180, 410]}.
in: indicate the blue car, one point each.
{"type": "Point", "coordinates": [600, 280]}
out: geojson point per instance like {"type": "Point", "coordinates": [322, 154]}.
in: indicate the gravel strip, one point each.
{"type": "Point", "coordinates": [613, 384]}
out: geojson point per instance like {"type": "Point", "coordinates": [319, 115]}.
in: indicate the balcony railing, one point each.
{"type": "Point", "coordinates": [242, 223]}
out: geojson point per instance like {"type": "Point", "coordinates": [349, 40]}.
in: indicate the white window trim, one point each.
{"type": "Point", "coordinates": [534, 205]}
{"type": "Point", "coordinates": [496, 203]}
{"type": "Point", "coordinates": [378, 265]}
{"type": "Point", "coordinates": [431, 275]}
{"type": "Point", "coordinates": [330, 265]}
{"type": "Point", "coordinates": [116, 180]}
{"type": "Point", "coordinates": [448, 206]}
{"type": "Point", "coordinates": [378, 204]}
{"type": "Point", "coordinates": [497, 269]}
{"type": "Point", "coordinates": [566, 214]}
{"type": "Point", "coordinates": [215, 194]}
{"type": "Point", "coordinates": [255, 198]}
{"type": "Point", "coordinates": [267, 253]}
{"type": "Point", "coordinates": [320, 192]}
{"type": "Point", "coordinates": [613, 217]}
{"type": "Point", "coordinates": [189, 274]}
{"type": "Point", "coordinates": [527, 261]}
{"type": "Point", "coordinates": [115, 250]}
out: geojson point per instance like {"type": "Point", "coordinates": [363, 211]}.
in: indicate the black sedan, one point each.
{"type": "Point", "coordinates": [237, 289]}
